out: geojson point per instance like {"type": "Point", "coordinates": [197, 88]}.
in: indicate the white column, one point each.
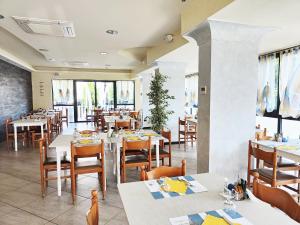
{"type": "Point", "coordinates": [228, 68]}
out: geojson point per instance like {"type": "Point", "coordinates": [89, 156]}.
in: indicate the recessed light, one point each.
{"type": "Point", "coordinates": [107, 65]}
{"type": "Point", "coordinates": [112, 32]}
{"type": "Point", "coordinates": [51, 60]}
{"type": "Point", "coordinates": [43, 50]}
{"type": "Point", "coordinates": [103, 53]}
{"type": "Point", "coordinates": [1, 17]}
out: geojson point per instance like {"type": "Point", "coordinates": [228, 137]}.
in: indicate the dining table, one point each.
{"type": "Point", "coordinates": [110, 120]}
{"type": "Point", "coordinates": [142, 208]}
{"type": "Point", "coordinates": [28, 122]}
{"type": "Point", "coordinates": [62, 146]}
{"type": "Point", "coordinates": [289, 150]}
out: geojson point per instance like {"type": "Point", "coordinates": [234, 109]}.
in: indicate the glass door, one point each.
{"type": "Point", "coordinates": [85, 99]}
{"type": "Point", "coordinates": [105, 95]}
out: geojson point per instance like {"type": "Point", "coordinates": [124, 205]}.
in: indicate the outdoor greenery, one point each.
{"type": "Point", "coordinates": [159, 100]}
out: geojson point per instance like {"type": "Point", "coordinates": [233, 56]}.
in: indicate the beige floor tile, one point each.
{"type": "Point", "coordinates": [20, 217]}
{"type": "Point", "coordinates": [18, 199]}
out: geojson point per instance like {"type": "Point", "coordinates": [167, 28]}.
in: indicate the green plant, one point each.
{"type": "Point", "coordinates": [159, 100]}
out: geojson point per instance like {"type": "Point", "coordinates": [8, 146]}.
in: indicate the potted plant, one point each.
{"type": "Point", "coordinates": [159, 100]}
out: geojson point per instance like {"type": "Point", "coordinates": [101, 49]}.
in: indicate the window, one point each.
{"type": "Point", "coordinates": [125, 94]}
{"type": "Point", "coordinates": [88, 94]}
{"type": "Point", "coordinates": [191, 94]}
{"type": "Point", "coordinates": [278, 93]}
{"type": "Point", "coordinates": [63, 97]}
{"type": "Point", "coordinates": [63, 92]}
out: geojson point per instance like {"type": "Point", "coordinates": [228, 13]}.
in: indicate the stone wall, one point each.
{"type": "Point", "coordinates": [15, 93]}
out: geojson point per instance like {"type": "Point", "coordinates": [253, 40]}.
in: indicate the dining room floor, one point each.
{"type": "Point", "coordinates": [20, 196]}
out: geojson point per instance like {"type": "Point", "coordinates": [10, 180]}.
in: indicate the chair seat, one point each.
{"type": "Point", "coordinates": [136, 159]}
{"type": "Point", "coordinates": [161, 152]}
{"type": "Point", "coordinates": [268, 173]}
{"type": "Point", "coordinates": [87, 164]}
{"type": "Point", "coordinates": [188, 132]}
{"type": "Point", "coordinates": [52, 161]}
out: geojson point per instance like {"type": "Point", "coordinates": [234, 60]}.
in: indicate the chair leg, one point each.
{"type": "Point", "coordinates": [185, 143]}
{"type": "Point", "coordinates": [43, 183]}
{"type": "Point", "coordinates": [163, 161]}
{"type": "Point", "coordinates": [32, 139]}
{"type": "Point", "coordinates": [46, 176]}
{"type": "Point", "coordinates": [103, 186]}
{"type": "Point", "coordinates": [170, 161]}
{"type": "Point", "coordinates": [73, 187]}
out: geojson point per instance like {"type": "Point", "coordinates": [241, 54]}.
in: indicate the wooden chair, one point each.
{"type": "Point", "coordinates": [126, 125]}
{"type": "Point", "coordinates": [89, 117]}
{"type": "Point", "coordinates": [262, 135]}
{"type": "Point", "coordinates": [273, 176]}
{"type": "Point", "coordinates": [9, 132]}
{"type": "Point", "coordinates": [135, 160]}
{"type": "Point", "coordinates": [189, 133]}
{"type": "Point", "coordinates": [93, 166]}
{"type": "Point", "coordinates": [134, 114]}
{"type": "Point", "coordinates": [162, 152]}
{"type": "Point", "coordinates": [36, 133]}
{"type": "Point", "coordinates": [48, 164]}
{"type": "Point", "coordinates": [164, 171]}
{"type": "Point", "coordinates": [65, 118]}
{"type": "Point", "coordinates": [92, 215]}
{"type": "Point", "coordinates": [277, 198]}
{"type": "Point", "coordinates": [55, 126]}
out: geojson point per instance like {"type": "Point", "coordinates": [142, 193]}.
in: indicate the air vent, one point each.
{"type": "Point", "coordinates": [77, 63]}
{"type": "Point", "coordinates": [56, 28]}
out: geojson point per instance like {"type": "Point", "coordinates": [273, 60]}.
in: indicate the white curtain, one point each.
{"type": "Point", "coordinates": [266, 91]}
{"type": "Point", "coordinates": [289, 84]}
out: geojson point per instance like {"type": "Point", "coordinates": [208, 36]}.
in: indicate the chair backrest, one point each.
{"type": "Point", "coordinates": [66, 115]}
{"type": "Point", "coordinates": [123, 124]}
{"type": "Point", "coordinates": [92, 215]}
{"type": "Point", "coordinates": [8, 126]}
{"type": "Point", "coordinates": [267, 156]}
{"type": "Point", "coordinates": [277, 198]}
{"type": "Point", "coordinates": [166, 134]}
{"type": "Point", "coordinates": [164, 171]}
{"type": "Point", "coordinates": [134, 114]}
{"type": "Point", "coordinates": [87, 150]}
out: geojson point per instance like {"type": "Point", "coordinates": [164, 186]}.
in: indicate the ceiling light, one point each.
{"type": "Point", "coordinates": [169, 38]}
{"type": "Point", "coordinates": [103, 53]}
{"type": "Point", "coordinates": [112, 32]}
{"type": "Point", "coordinates": [51, 60]}
{"type": "Point", "coordinates": [43, 50]}
{"type": "Point", "coordinates": [1, 17]}
{"type": "Point", "coordinates": [107, 65]}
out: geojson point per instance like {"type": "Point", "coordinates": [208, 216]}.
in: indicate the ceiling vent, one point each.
{"type": "Point", "coordinates": [56, 28]}
{"type": "Point", "coordinates": [77, 63]}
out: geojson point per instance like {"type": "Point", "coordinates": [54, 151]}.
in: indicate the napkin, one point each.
{"type": "Point", "coordinates": [212, 220]}
{"type": "Point", "coordinates": [177, 186]}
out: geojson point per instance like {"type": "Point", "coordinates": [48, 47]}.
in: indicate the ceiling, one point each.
{"type": "Point", "coordinates": [282, 15]}
{"type": "Point", "coordinates": [140, 24]}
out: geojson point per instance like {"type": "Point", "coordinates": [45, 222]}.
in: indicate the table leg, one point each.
{"type": "Point", "coordinates": [16, 138]}
{"type": "Point", "coordinates": [42, 131]}
{"type": "Point", "coordinates": [157, 152]}
{"type": "Point", "coordinates": [118, 149]}
{"type": "Point", "coordinates": [58, 172]}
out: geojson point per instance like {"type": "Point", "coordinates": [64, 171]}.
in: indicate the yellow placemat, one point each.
{"type": "Point", "coordinates": [150, 134]}
{"type": "Point", "coordinates": [85, 142]}
{"type": "Point", "coordinates": [128, 132]}
{"type": "Point", "coordinates": [288, 147]}
{"type": "Point", "coordinates": [85, 135]}
{"type": "Point", "coordinates": [133, 138]}
{"type": "Point", "coordinates": [177, 186]}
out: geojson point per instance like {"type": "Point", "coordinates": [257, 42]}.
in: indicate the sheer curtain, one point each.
{"type": "Point", "coordinates": [266, 91]}
{"type": "Point", "coordinates": [289, 84]}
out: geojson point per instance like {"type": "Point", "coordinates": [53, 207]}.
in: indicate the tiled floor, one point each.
{"type": "Point", "coordinates": [20, 196]}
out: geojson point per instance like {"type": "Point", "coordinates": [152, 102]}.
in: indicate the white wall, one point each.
{"type": "Point", "coordinates": [175, 84]}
